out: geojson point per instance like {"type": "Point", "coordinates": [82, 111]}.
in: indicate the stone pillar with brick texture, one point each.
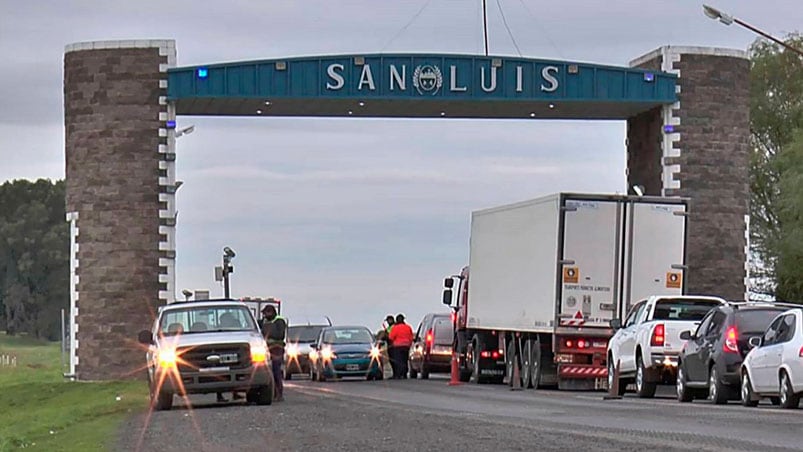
{"type": "Point", "coordinates": [120, 199]}
{"type": "Point", "coordinates": [699, 148]}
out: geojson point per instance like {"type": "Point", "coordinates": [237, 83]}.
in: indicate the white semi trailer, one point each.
{"type": "Point", "coordinates": [547, 276]}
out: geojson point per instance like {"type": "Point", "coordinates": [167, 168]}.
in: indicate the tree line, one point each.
{"type": "Point", "coordinates": [34, 258]}
{"type": "Point", "coordinates": [34, 236]}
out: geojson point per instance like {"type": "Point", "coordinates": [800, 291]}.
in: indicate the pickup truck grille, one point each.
{"type": "Point", "coordinates": [233, 356]}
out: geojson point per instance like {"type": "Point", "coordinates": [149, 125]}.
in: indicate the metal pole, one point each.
{"type": "Point", "coordinates": [225, 277]}
{"type": "Point", "coordinates": [62, 340]}
{"type": "Point", "coordinates": [485, 25]}
{"type": "Point", "coordinates": [768, 36]}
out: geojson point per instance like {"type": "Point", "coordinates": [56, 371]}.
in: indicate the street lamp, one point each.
{"type": "Point", "coordinates": [226, 270]}
{"type": "Point", "coordinates": [185, 131]}
{"type": "Point", "coordinates": [187, 294]}
{"type": "Point", "coordinates": [727, 19]}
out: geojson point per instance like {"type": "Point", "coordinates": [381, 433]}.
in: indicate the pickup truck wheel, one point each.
{"type": "Point", "coordinates": [262, 395]}
{"type": "Point", "coordinates": [644, 389]}
{"type": "Point", "coordinates": [611, 376]}
{"type": "Point", "coordinates": [684, 394]}
{"type": "Point", "coordinates": [716, 391]}
{"type": "Point", "coordinates": [748, 396]}
{"type": "Point", "coordinates": [163, 401]}
{"type": "Point", "coordinates": [788, 397]}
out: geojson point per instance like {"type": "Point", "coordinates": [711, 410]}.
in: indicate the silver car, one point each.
{"type": "Point", "coordinates": [206, 347]}
{"type": "Point", "coordinates": [774, 367]}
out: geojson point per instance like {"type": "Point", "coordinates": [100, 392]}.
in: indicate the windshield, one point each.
{"type": "Point", "coordinates": [683, 309]}
{"type": "Point", "coordinates": [348, 336]}
{"type": "Point", "coordinates": [303, 334]}
{"type": "Point", "coordinates": [756, 320]}
{"type": "Point", "coordinates": [206, 318]}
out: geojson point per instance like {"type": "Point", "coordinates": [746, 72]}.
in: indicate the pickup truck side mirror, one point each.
{"type": "Point", "coordinates": [686, 335]}
{"type": "Point", "coordinates": [145, 337]}
{"type": "Point", "coordinates": [313, 346]}
{"type": "Point", "coordinates": [448, 283]}
{"type": "Point", "coordinates": [755, 341]}
{"type": "Point", "coordinates": [447, 297]}
{"type": "Point", "coordinates": [616, 324]}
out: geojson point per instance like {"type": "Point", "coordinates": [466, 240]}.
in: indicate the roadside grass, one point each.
{"type": "Point", "coordinates": [40, 410]}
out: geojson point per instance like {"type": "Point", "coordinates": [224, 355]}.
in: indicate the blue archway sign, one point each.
{"type": "Point", "coordinates": [418, 85]}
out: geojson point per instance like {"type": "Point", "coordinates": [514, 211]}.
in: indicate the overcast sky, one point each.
{"type": "Point", "coordinates": [343, 217]}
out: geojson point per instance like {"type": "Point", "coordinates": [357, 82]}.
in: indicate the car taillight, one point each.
{"type": "Point", "coordinates": [429, 337]}
{"type": "Point", "coordinates": [658, 335]}
{"type": "Point", "coordinates": [730, 345]}
{"type": "Point", "coordinates": [495, 354]}
{"type": "Point", "coordinates": [485, 354]}
{"type": "Point", "coordinates": [800, 353]}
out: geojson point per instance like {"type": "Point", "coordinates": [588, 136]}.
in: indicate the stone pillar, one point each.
{"type": "Point", "coordinates": [120, 202]}
{"type": "Point", "coordinates": [699, 148]}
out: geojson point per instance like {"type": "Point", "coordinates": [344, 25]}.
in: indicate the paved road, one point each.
{"type": "Point", "coordinates": [429, 415]}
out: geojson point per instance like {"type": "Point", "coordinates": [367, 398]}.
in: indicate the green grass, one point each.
{"type": "Point", "coordinates": [40, 410]}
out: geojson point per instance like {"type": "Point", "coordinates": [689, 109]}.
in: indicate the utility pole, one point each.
{"type": "Point", "coordinates": [222, 273]}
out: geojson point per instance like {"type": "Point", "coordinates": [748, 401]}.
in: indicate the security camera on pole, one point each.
{"type": "Point", "coordinates": [222, 273]}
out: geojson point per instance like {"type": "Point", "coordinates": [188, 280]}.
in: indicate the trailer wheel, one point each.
{"type": "Point", "coordinates": [510, 362]}
{"type": "Point", "coordinates": [527, 364]}
{"type": "Point", "coordinates": [535, 362]}
{"type": "Point", "coordinates": [473, 355]}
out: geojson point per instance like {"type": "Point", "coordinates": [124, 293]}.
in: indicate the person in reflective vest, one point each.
{"type": "Point", "coordinates": [274, 327]}
{"type": "Point", "coordinates": [401, 338]}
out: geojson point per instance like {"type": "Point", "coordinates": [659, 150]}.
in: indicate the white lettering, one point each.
{"type": "Point", "coordinates": [519, 87]}
{"type": "Point", "coordinates": [491, 88]}
{"type": "Point", "coordinates": [549, 74]}
{"type": "Point", "coordinates": [400, 80]}
{"type": "Point", "coordinates": [453, 80]}
{"type": "Point", "coordinates": [366, 78]}
{"type": "Point", "coordinates": [338, 78]}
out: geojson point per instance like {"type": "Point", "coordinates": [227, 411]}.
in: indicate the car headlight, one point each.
{"type": "Point", "coordinates": [327, 354]}
{"type": "Point", "coordinates": [375, 352]}
{"type": "Point", "coordinates": [167, 357]}
{"type": "Point", "coordinates": [259, 353]}
{"type": "Point", "coordinates": [292, 350]}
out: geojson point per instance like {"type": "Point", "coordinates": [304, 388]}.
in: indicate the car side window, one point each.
{"type": "Point", "coordinates": [703, 326]}
{"type": "Point", "coordinates": [786, 329]}
{"type": "Point", "coordinates": [772, 332]}
{"type": "Point", "coordinates": [717, 321]}
{"type": "Point", "coordinates": [418, 331]}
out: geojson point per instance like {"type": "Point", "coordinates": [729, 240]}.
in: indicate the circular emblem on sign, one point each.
{"type": "Point", "coordinates": [570, 272]}
{"type": "Point", "coordinates": [571, 302]}
{"type": "Point", "coordinates": [673, 277]}
{"type": "Point", "coordinates": [427, 79]}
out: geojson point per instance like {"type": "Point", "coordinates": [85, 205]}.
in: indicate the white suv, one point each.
{"type": "Point", "coordinates": [647, 346]}
{"type": "Point", "coordinates": [774, 367]}
{"type": "Point", "coordinates": [206, 347]}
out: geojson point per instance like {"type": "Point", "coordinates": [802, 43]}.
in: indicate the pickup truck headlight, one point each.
{"type": "Point", "coordinates": [292, 350]}
{"type": "Point", "coordinates": [375, 352]}
{"type": "Point", "coordinates": [167, 357]}
{"type": "Point", "coordinates": [259, 353]}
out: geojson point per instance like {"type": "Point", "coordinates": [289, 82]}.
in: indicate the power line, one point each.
{"type": "Point", "coordinates": [485, 25]}
{"type": "Point", "coordinates": [407, 25]}
{"type": "Point", "coordinates": [543, 30]}
{"type": "Point", "coordinates": [509, 33]}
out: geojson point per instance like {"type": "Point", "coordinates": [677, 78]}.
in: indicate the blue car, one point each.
{"type": "Point", "coordinates": [345, 351]}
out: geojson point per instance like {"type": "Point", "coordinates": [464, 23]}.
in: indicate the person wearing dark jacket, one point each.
{"type": "Point", "coordinates": [274, 327]}
{"type": "Point", "coordinates": [401, 338]}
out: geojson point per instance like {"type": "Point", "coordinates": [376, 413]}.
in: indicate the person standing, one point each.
{"type": "Point", "coordinates": [274, 327]}
{"type": "Point", "coordinates": [401, 338]}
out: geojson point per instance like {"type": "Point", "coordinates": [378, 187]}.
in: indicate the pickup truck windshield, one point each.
{"type": "Point", "coordinates": [205, 319]}
{"type": "Point", "coordinates": [683, 309]}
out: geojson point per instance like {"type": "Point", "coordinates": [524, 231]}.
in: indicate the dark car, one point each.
{"type": "Point", "coordinates": [346, 351]}
{"type": "Point", "coordinates": [432, 346]}
{"type": "Point", "coordinates": [710, 360]}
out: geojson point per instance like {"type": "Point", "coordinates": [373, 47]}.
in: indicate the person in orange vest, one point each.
{"type": "Point", "coordinates": [401, 338]}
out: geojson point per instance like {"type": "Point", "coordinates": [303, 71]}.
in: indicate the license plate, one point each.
{"type": "Point", "coordinates": [228, 358]}
{"type": "Point", "coordinates": [352, 367]}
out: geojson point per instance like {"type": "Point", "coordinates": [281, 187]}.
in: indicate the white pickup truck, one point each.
{"type": "Point", "coordinates": [647, 345]}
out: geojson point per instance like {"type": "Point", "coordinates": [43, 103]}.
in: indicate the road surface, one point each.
{"type": "Point", "coordinates": [430, 415]}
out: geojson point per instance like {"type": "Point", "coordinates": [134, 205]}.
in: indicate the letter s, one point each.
{"type": "Point", "coordinates": [331, 71]}
{"type": "Point", "coordinates": [549, 74]}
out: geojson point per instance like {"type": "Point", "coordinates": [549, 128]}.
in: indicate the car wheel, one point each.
{"type": "Point", "coordinates": [424, 371]}
{"type": "Point", "coordinates": [788, 397]}
{"type": "Point", "coordinates": [288, 376]}
{"type": "Point", "coordinates": [748, 396]}
{"type": "Point", "coordinates": [716, 391]}
{"type": "Point", "coordinates": [684, 394]}
{"type": "Point", "coordinates": [775, 401]}
{"type": "Point", "coordinates": [644, 389]}
{"type": "Point", "coordinates": [413, 372]}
